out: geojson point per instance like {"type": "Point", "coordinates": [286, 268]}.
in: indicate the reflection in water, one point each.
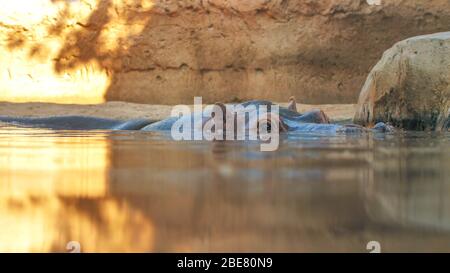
{"type": "Point", "coordinates": [411, 184]}
{"type": "Point", "coordinates": [54, 189]}
{"type": "Point", "coordinates": [137, 191]}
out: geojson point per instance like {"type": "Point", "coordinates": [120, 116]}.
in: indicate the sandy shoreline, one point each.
{"type": "Point", "coordinates": [126, 110]}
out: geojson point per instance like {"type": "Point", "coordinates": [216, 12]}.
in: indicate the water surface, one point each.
{"type": "Point", "coordinates": [141, 192]}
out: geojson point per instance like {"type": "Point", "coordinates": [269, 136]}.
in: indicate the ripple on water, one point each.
{"type": "Point", "coordinates": [141, 191]}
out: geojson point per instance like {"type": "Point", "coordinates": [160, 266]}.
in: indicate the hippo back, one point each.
{"type": "Point", "coordinates": [77, 123]}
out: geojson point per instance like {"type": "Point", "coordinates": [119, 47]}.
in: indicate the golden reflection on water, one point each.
{"type": "Point", "coordinates": [139, 192]}
{"type": "Point", "coordinates": [75, 166]}
{"type": "Point", "coordinates": [42, 190]}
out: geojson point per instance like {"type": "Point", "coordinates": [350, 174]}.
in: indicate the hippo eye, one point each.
{"type": "Point", "coordinates": [267, 125]}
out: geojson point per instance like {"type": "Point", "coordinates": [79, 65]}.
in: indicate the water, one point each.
{"type": "Point", "coordinates": [140, 192]}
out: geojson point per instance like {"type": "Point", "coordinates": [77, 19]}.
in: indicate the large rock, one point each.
{"type": "Point", "coordinates": [410, 85]}
{"type": "Point", "coordinates": [167, 51]}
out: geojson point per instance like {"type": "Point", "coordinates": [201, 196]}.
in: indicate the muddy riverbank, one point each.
{"type": "Point", "coordinates": [124, 110]}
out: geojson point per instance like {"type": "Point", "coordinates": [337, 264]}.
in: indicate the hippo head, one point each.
{"type": "Point", "coordinates": [237, 120]}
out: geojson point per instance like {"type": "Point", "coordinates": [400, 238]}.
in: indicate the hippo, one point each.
{"type": "Point", "coordinates": [289, 119]}
{"type": "Point", "coordinates": [78, 123]}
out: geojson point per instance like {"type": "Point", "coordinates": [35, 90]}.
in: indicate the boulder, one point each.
{"type": "Point", "coordinates": [410, 85]}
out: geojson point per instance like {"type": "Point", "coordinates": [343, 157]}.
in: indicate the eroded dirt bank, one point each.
{"type": "Point", "coordinates": [166, 52]}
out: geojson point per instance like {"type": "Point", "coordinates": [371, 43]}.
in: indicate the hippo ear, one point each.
{"type": "Point", "coordinates": [292, 105]}
{"type": "Point", "coordinates": [324, 118]}
{"type": "Point", "coordinates": [445, 123]}
{"type": "Point", "coordinates": [222, 106]}
{"type": "Point", "coordinates": [224, 111]}
{"type": "Point", "coordinates": [217, 107]}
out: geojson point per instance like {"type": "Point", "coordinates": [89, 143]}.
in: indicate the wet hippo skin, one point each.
{"type": "Point", "coordinates": [290, 121]}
